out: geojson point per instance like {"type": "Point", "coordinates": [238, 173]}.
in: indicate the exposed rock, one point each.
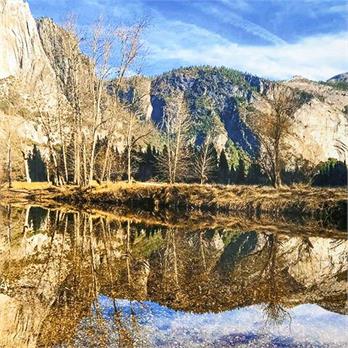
{"type": "Point", "coordinates": [211, 91]}
{"type": "Point", "coordinates": [321, 128]}
{"type": "Point", "coordinates": [340, 77]}
{"type": "Point", "coordinates": [64, 55]}
{"type": "Point", "coordinates": [322, 123]}
{"type": "Point", "coordinates": [21, 54]}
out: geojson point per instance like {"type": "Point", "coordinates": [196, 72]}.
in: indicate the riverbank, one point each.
{"type": "Point", "coordinates": [328, 205]}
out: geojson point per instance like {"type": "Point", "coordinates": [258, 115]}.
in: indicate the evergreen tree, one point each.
{"type": "Point", "coordinates": [146, 169]}
{"type": "Point", "coordinates": [37, 167]}
{"type": "Point", "coordinates": [331, 173]}
{"type": "Point", "coordinates": [223, 175]}
{"type": "Point", "coordinates": [233, 175]}
{"type": "Point", "coordinates": [255, 175]}
{"type": "Point", "coordinates": [240, 175]}
{"type": "Point", "coordinates": [213, 177]}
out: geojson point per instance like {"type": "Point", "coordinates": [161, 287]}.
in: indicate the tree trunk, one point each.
{"type": "Point", "coordinates": [63, 149]}
{"type": "Point", "coordinates": [84, 156]}
{"type": "Point", "coordinates": [53, 157]}
{"type": "Point", "coordinates": [105, 165]}
{"type": "Point", "coordinates": [176, 154]}
{"type": "Point", "coordinates": [26, 167]}
{"type": "Point", "coordinates": [77, 157]}
{"type": "Point", "coordinates": [9, 163]}
{"type": "Point", "coordinates": [48, 172]}
{"type": "Point", "coordinates": [277, 179]}
{"type": "Point", "coordinates": [129, 169]}
{"type": "Point", "coordinates": [276, 175]}
{"type": "Point", "coordinates": [91, 165]}
{"type": "Point", "coordinates": [204, 161]}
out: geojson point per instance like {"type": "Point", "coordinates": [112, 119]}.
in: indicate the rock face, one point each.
{"type": "Point", "coordinates": [339, 78]}
{"type": "Point", "coordinates": [321, 127]}
{"type": "Point", "coordinates": [63, 53]}
{"type": "Point", "coordinates": [21, 53]}
{"type": "Point", "coordinates": [214, 96]}
{"type": "Point", "coordinates": [322, 123]}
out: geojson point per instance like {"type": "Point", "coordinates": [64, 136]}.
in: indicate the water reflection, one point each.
{"type": "Point", "coordinates": [78, 279]}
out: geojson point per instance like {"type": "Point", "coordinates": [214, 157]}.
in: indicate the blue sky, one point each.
{"type": "Point", "coordinates": [270, 38]}
{"type": "Point", "coordinates": [306, 325]}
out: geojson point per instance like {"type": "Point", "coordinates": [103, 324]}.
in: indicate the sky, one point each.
{"type": "Point", "coordinates": [306, 325]}
{"type": "Point", "coordinates": [276, 39]}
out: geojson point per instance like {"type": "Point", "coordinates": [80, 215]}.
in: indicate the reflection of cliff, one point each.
{"type": "Point", "coordinates": [54, 265]}
{"type": "Point", "coordinates": [48, 264]}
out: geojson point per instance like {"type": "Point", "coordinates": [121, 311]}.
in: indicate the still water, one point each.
{"type": "Point", "coordinates": [77, 279]}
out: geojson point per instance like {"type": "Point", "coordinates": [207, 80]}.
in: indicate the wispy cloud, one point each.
{"type": "Point", "coordinates": [241, 5]}
{"type": "Point", "coordinates": [313, 42]}
{"type": "Point", "coordinates": [229, 17]}
{"type": "Point", "coordinates": [317, 57]}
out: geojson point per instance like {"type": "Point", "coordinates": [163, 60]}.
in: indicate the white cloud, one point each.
{"type": "Point", "coordinates": [310, 325]}
{"type": "Point", "coordinates": [228, 16]}
{"type": "Point", "coordinates": [317, 57]}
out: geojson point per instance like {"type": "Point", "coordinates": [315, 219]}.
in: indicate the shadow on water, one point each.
{"type": "Point", "coordinates": [72, 278]}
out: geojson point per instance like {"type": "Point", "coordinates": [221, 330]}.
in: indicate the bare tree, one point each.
{"type": "Point", "coordinates": [131, 53]}
{"type": "Point", "coordinates": [136, 128]}
{"type": "Point", "coordinates": [174, 160]}
{"type": "Point", "coordinates": [9, 159]}
{"type": "Point", "coordinates": [273, 127]}
{"type": "Point", "coordinates": [205, 162]}
{"type": "Point", "coordinates": [113, 51]}
{"type": "Point", "coordinates": [131, 49]}
{"type": "Point", "coordinates": [48, 121]}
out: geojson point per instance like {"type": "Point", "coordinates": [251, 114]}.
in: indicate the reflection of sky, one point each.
{"type": "Point", "coordinates": [309, 326]}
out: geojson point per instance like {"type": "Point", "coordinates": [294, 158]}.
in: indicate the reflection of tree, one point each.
{"type": "Point", "coordinates": [273, 309]}
{"type": "Point", "coordinates": [170, 272]}
{"type": "Point", "coordinates": [126, 330]}
{"type": "Point", "coordinates": [128, 254]}
{"type": "Point", "coordinates": [202, 250]}
{"type": "Point", "coordinates": [84, 255]}
{"type": "Point", "coordinates": [9, 225]}
{"type": "Point", "coordinates": [305, 248]}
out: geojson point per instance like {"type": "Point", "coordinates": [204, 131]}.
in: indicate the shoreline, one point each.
{"type": "Point", "coordinates": [325, 205]}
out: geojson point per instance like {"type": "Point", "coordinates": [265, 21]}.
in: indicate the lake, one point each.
{"type": "Point", "coordinates": [71, 278]}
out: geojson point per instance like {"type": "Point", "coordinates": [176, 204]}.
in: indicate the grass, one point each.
{"type": "Point", "coordinates": [325, 204]}
{"type": "Point", "coordinates": [17, 185]}
{"type": "Point", "coordinates": [299, 201]}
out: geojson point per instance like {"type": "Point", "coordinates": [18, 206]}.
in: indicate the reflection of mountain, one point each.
{"type": "Point", "coordinates": [53, 265]}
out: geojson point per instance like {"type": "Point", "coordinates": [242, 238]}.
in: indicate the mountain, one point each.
{"type": "Point", "coordinates": [339, 78]}
{"type": "Point", "coordinates": [21, 53]}
{"type": "Point", "coordinates": [219, 96]}
{"type": "Point", "coordinates": [36, 59]}
{"type": "Point", "coordinates": [214, 97]}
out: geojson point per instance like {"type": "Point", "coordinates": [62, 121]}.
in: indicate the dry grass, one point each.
{"type": "Point", "coordinates": [325, 204]}
{"type": "Point", "coordinates": [299, 201]}
{"type": "Point", "coordinates": [17, 185]}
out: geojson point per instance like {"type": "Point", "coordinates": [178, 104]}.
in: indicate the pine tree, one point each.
{"type": "Point", "coordinates": [240, 175]}
{"type": "Point", "coordinates": [37, 168]}
{"type": "Point", "coordinates": [233, 175]}
{"type": "Point", "coordinates": [255, 175]}
{"type": "Point", "coordinates": [147, 165]}
{"type": "Point", "coordinates": [331, 173]}
{"type": "Point", "coordinates": [213, 177]}
{"type": "Point", "coordinates": [223, 175]}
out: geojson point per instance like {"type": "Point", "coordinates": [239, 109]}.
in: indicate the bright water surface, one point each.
{"type": "Point", "coordinates": [77, 279]}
